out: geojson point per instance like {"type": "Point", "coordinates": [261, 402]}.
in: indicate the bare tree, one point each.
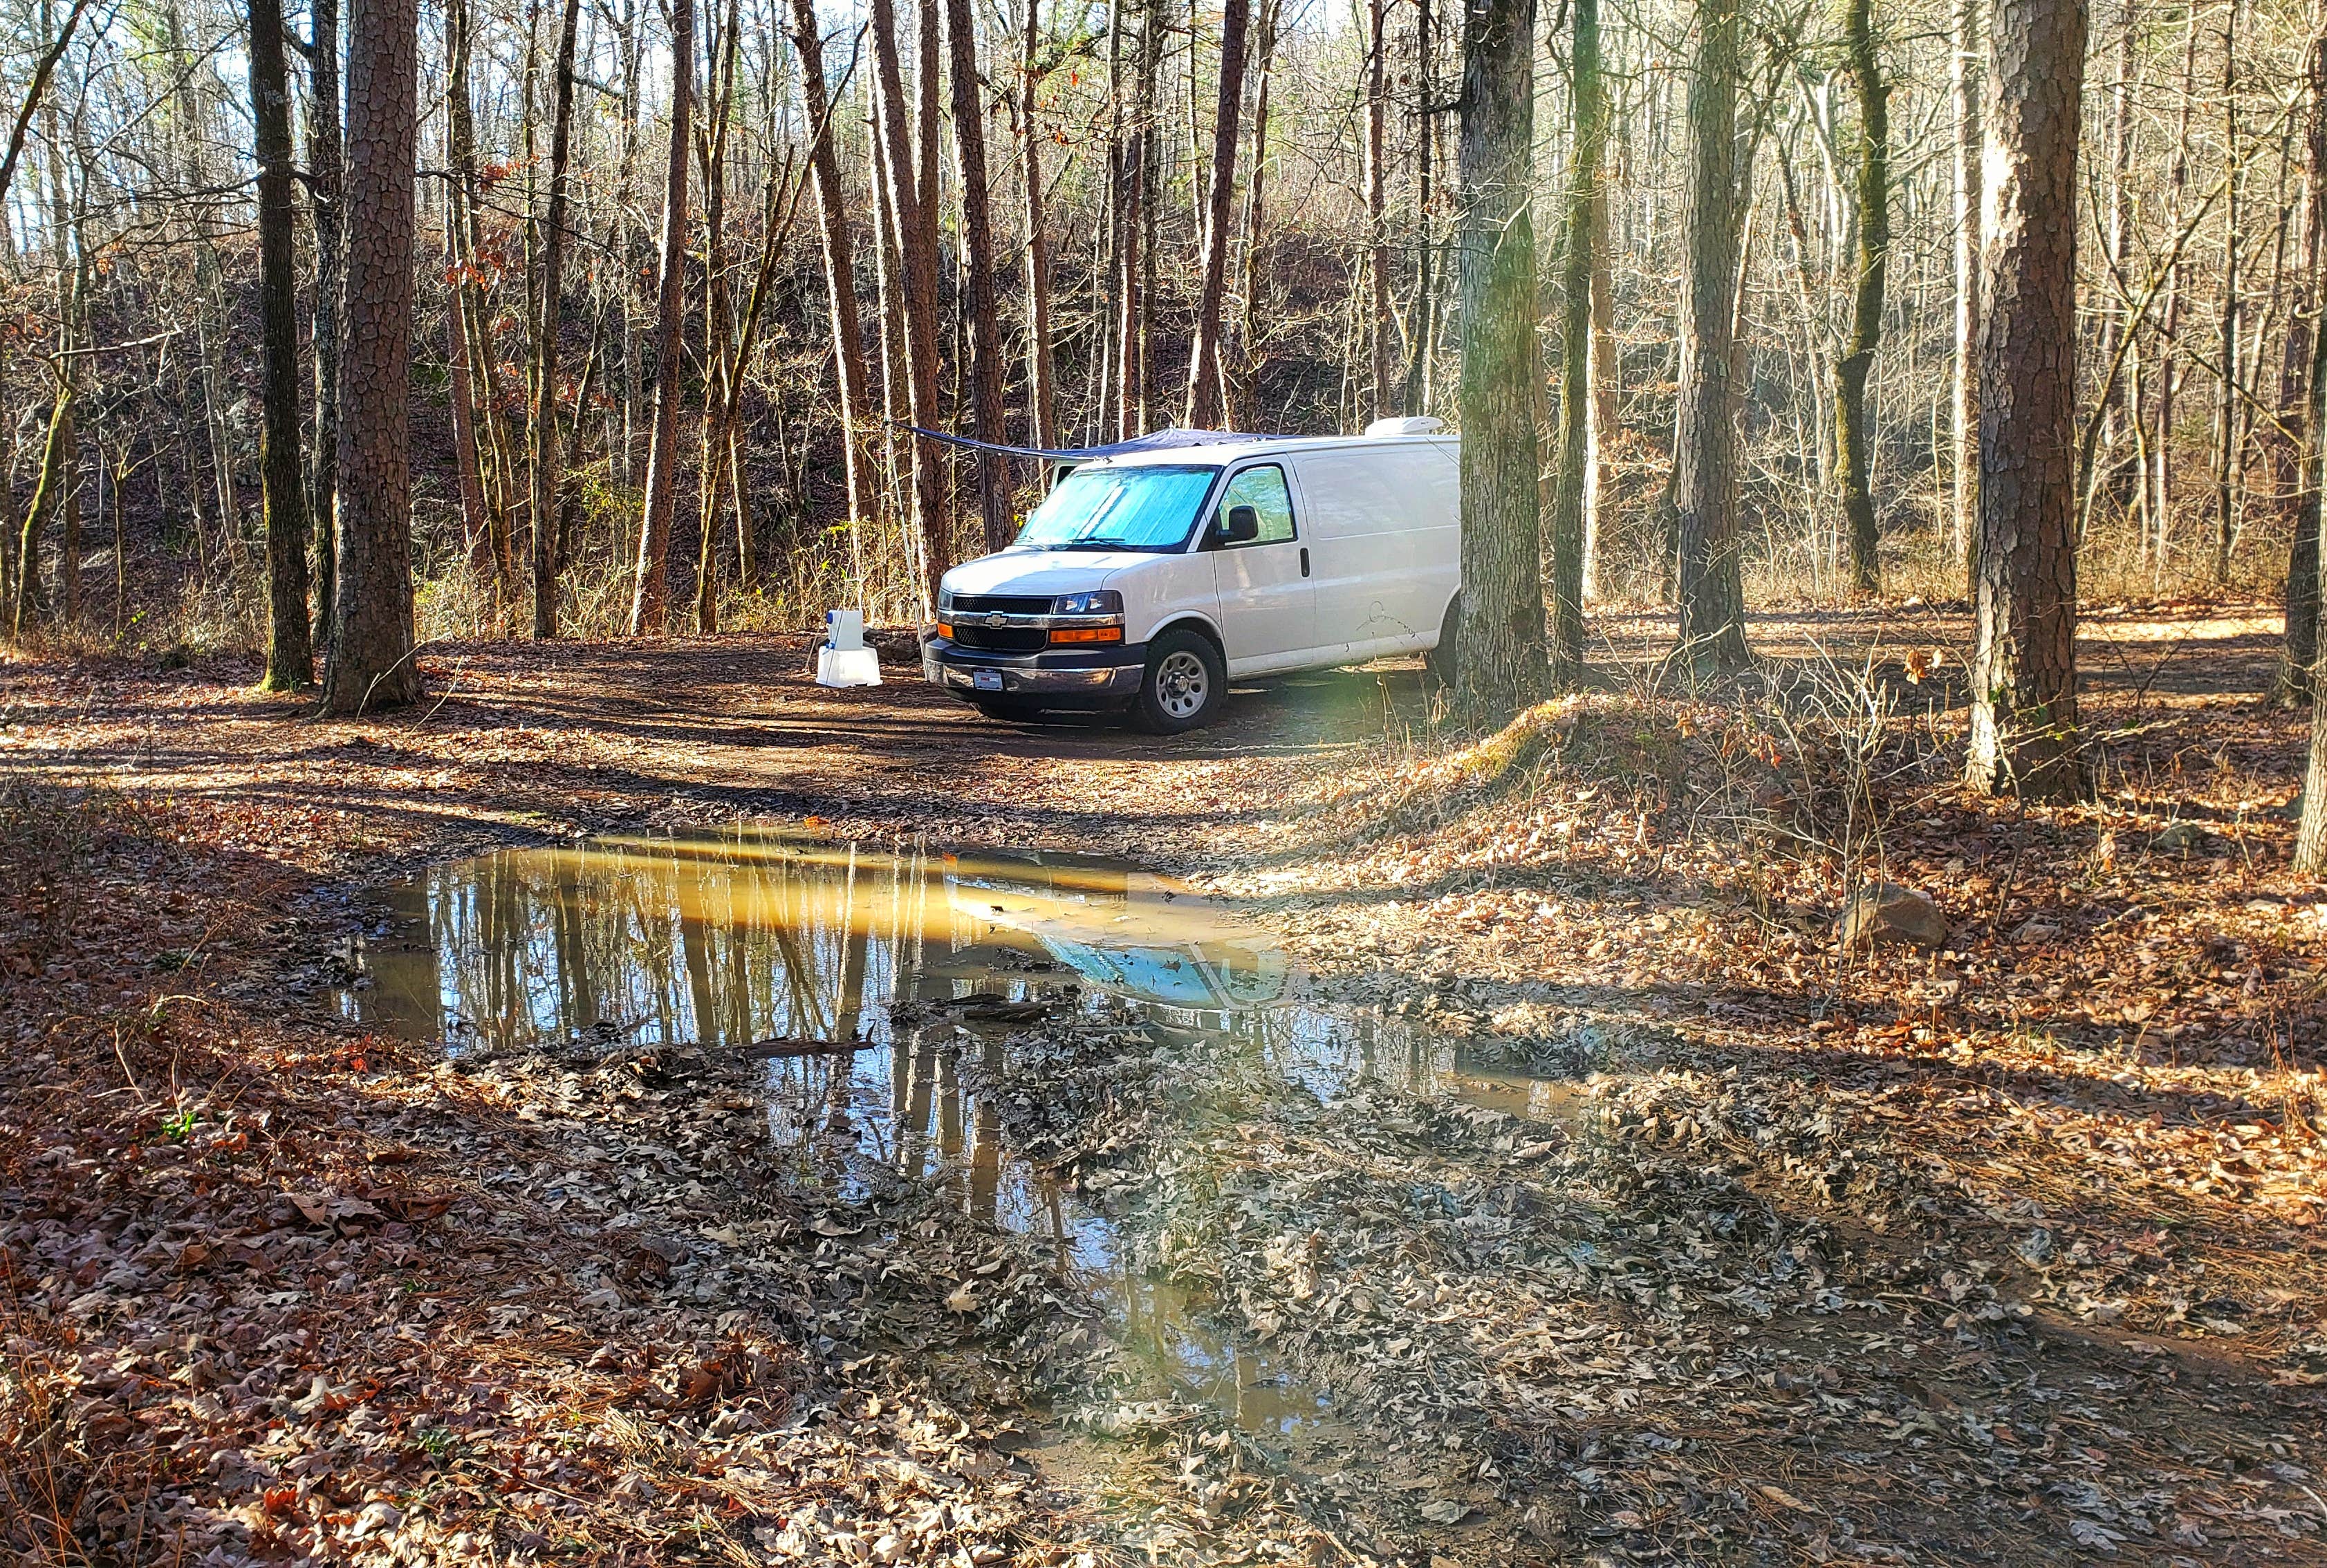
{"type": "Point", "coordinates": [839, 263]}
{"type": "Point", "coordinates": [916, 254]}
{"type": "Point", "coordinates": [1041, 378]}
{"type": "Point", "coordinates": [1207, 384]}
{"type": "Point", "coordinates": [548, 318]}
{"type": "Point", "coordinates": [2024, 677]}
{"type": "Point", "coordinates": [651, 590]}
{"type": "Point", "coordinates": [1711, 586]}
{"type": "Point", "coordinates": [1571, 477]}
{"type": "Point", "coordinates": [1964, 86]}
{"type": "Point", "coordinates": [325, 175]}
{"type": "Point", "coordinates": [978, 258]}
{"type": "Point", "coordinates": [1499, 660]}
{"type": "Point", "coordinates": [290, 657]}
{"type": "Point", "coordinates": [1853, 436]}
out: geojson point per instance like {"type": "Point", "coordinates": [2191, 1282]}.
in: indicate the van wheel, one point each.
{"type": "Point", "coordinates": [1009, 710]}
{"type": "Point", "coordinates": [1440, 661]}
{"type": "Point", "coordinates": [1183, 684]}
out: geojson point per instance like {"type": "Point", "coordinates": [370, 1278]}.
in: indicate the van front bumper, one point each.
{"type": "Point", "coordinates": [1091, 674]}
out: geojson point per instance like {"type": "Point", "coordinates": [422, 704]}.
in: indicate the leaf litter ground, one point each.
{"type": "Point", "coordinates": [1620, 1217]}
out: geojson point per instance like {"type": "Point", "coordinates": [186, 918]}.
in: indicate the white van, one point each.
{"type": "Point", "coordinates": [1158, 570]}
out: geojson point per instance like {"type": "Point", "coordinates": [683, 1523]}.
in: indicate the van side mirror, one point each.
{"type": "Point", "coordinates": [1240, 527]}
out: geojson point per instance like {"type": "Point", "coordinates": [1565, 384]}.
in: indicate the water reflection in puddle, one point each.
{"type": "Point", "coordinates": [924, 962]}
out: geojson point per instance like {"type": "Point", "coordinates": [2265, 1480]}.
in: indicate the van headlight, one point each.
{"type": "Point", "coordinates": [1099, 602]}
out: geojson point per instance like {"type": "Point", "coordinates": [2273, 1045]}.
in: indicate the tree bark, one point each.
{"type": "Point", "coordinates": [1207, 383]}
{"type": "Point", "coordinates": [1255, 215]}
{"type": "Point", "coordinates": [977, 255]}
{"type": "Point", "coordinates": [651, 590]}
{"type": "Point", "coordinates": [2309, 325]}
{"type": "Point", "coordinates": [1853, 436]}
{"type": "Point", "coordinates": [2023, 679]}
{"type": "Point", "coordinates": [1585, 170]}
{"type": "Point", "coordinates": [840, 264]}
{"type": "Point", "coordinates": [45, 488]}
{"type": "Point", "coordinates": [371, 660]}
{"type": "Point", "coordinates": [1042, 391]}
{"type": "Point", "coordinates": [325, 175]}
{"type": "Point", "coordinates": [548, 318]}
{"type": "Point", "coordinates": [1380, 326]}
{"type": "Point", "coordinates": [1500, 650]}
{"type": "Point", "coordinates": [2311, 832]}
{"type": "Point", "coordinates": [917, 285]}
{"type": "Point", "coordinates": [1704, 479]}
{"type": "Point", "coordinates": [1963, 79]}
{"type": "Point", "coordinates": [290, 656]}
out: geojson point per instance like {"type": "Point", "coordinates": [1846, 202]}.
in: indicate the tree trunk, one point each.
{"type": "Point", "coordinates": [1585, 170]}
{"type": "Point", "coordinates": [1963, 78]}
{"type": "Point", "coordinates": [977, 254]}
{"type": "Point", "coordinates": [2311, 833]}
{"type": "Point", "coordinates": [1042, 392]}
{"type": "Point", "coordinates": [2023, 679]}
{"type": "Point", "coordinates": [1853, 436]}
{"type": "Point", "coordinates": [2309, 325]}
{"type": "Point", "coordinates": [1607, 378]}
{"type": "Point", "coordinates": [52, 480]}
{"type": "Point", "coordinates": [1207, 384]}
{"type": "Point", "coordinates": [290, 656]}
{"type": "Point", "coordinates": [548, 317]}
{"type": "Point", "coordinates": [720, 370]}
{"type": "Point", "coordinates": [1705, 480]}
{"type": "Point", "coordinates": [917, 284]}
{"type": "Point", "coordinates": [371, 660]}
{"type": "Point", "coordinates": [651, 590]}
{"type": "Point", "coordinates": [2226, 407]}
{"type": "Point", "coordinates": [839, 264]}
{"type": "Point", "coordinates": [325, 176]}
{"type": "Point", "coordinates": [1499, 650]}
{"type": "Point", "coordinates": [1254, 214]}
{"type": "Point", "coordinates": [1380, 326]}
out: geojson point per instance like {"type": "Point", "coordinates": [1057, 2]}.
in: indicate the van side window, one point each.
{"type": "Point", "coordinates": [1262, 489]}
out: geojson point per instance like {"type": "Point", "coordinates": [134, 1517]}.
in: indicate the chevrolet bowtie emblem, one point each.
{"type": "Point", "coordinates": [998, 618]}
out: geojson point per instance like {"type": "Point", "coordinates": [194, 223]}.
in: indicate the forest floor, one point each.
{"type": "Point", "coordinates": [2012, 1250]}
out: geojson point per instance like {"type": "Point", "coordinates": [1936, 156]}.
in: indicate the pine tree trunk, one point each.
{"type": "Point", "coordinates": [1586, 170]}
{"type": "Point", "coordinates": [1853, 435]}
{"type": "Point", "coordinates": [977, 255]}
{"type": "Point", "coordinates": [290, 656]}
{"type": "Point", "coordinates": [1500, 649]}
{"type": "Point", "coordinates": [325, 175]}
{"type": "Point", "coordinates": [1705, 462]}
{"type": "Point", "coordinates": [651, 590]}
{"type": "Point", "coordinates": [548, 318]}
{"type": "Point", "coordinates": [1207, 383]}
{"type": "Point", "coordinates": [2023, 679]}
{"type": "Point", "coordinates": [2226, 406]}
{"type": "Point", "coordinates": [371, 660]}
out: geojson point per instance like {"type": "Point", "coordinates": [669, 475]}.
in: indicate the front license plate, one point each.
{"type": "Point", "coordinates": [986, 680]}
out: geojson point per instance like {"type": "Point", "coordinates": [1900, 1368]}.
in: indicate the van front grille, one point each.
{"type": "Point", "coordinates": [1000, 639]}
{"type": "Point", "coordinates": [1008, 604]}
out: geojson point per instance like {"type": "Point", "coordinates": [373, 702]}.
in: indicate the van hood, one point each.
{"type": "Point", "coordinates": [1040, 572]}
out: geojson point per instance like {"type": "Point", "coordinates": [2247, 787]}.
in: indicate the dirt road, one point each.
{"type": "Point", "coordinates": [1579, 1204]}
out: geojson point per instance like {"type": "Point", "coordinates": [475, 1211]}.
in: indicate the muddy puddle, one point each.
{"type": "Point", "coordinates": [877, 992]}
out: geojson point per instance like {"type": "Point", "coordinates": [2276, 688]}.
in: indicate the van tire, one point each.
{"type": "Point", "coordinates": [1008, 710]}
{"type": "Point", "coordinates": [1440, 661]}
{"type": "Point", "coordinates": [1183, 685]}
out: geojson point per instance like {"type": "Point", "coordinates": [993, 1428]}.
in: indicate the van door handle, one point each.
{"type": "Point", "coordinates": [1304, 560]}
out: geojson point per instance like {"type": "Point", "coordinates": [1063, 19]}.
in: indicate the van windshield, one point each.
{"type": "Point", "coordinates": [1149, 506]}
